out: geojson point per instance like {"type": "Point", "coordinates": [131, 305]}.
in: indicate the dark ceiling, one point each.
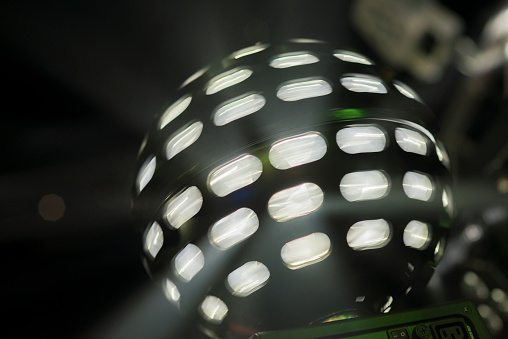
{"type": "Point", "coordinates": [82, 81]}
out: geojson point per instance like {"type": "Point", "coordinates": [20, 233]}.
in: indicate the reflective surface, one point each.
{"type": "Point", "coordinates": [248, 278]}
{"type": "Point", "coordinates": [238, 108]}
{"type": "Point", "coordinates": [411, 141]}
{"type": "Point", "coordinates": [183, 139]}
{"type": "Point", "coordinates": [188, 262]}
{"type": "Point", "coordinates": [183, 206]}
{"type": "Point", "coordinates": [234, 228]}
{"type": "Point", "coordinates": [303, 89]}
{"type": "Point", "coordinates": [417, 186]}
{"type": "Point", "coordinates": [227, 79]}
{"type": "Point", "coordinates": [363, 83]}
{"type": "Point", "coordinates": [293, 59]}
{"type": "Point", "coordinates": [175, 110]}
{"type": "Point", "coordinates": [234, 175]}
{"type": "Point", "coordinates": [298, 150]}
{"type": "Point", "coordinates": [295, 202]}
{"type": "Point", "coordinates": [361, 139]}
{"type": "Point", "coordinates": [306, 251]}
{"type": "Point", "coordinates": [365, 185]}
{"type": "Point", "coordinates": [368, 235]}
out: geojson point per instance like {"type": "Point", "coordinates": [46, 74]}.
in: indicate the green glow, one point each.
{"type": "Point", "coordinates": [444, 222]}
{"type": "Point", "coordinates": [348, 114]}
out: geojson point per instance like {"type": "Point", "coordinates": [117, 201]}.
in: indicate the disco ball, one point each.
{"type": "Point", "coordinates": [291, 184]}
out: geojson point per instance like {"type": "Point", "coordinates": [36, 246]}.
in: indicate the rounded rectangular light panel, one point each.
{"type": "Point", "coordinates": [238, 108]}
{"type": "Point", "coordinates": [145, 173]}
{"type": "Point", "coordinates": [305, 251]}
{"type": "Point", "coordinates": [183, 139]}
{"type": "Point", "coordinates": [235, 174]}
{"type": "Point", "coordinates": [368, 235]}
{"type": "Point", "coordinates": [417, 186]}
{"type": "Point", "coordinates": [171, 291]}
{"type": "Point", "coordinates": [233, 228]}
{"type": "Point", "coordinates": [227, 79]}
{"type": "Point", "coordinates": [362, 83]}
{"type": "Point", "coordinates": [364, 185]}
{"type": "Point", "coordinates": [353, 57]}
{"type": "Point", "coordinates": [213, 309]}
{"type": "Point", "coordinates": [293, 59]}
{"type": "Point", "coordinates": [295, 202]}
{"type": "Point", "coordinates": [417, 235]}
{"type": "Point", "coordinates": [154, 239]}
{"type": "Point", "coordinates": [183, 207]}
{"type": "Point", "coordinates": [303, 89]}
{"type": "Point", "coordinates": [188, 262]}
{"type": "Point", "coordinates": [297, 150]}
{"type": "Point", "coordinates": [361, 139]}
{"type": "Point", "coordinates": [248, 278]}
{"type": "Point", "coordinates": [175, 110]}
{"type": "Point", "coordinates": [411, 141]}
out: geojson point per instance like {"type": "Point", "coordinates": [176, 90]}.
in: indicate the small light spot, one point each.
{"type": "Point", "coordinates": [51, 207]}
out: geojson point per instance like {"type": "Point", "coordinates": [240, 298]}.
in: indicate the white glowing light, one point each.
{"type": "Point", "coordinates": [189, 261]}
{"type": "Point", "coordinates": [248, 278]}
{"type": "Point", "coordinates": [369, 234]}
{"type": "Point", "coordinates": [235, 174]}
{"type": "Point", "coordinates": [145, 173]}
{"type": "Point", "coordinates": [406, 90]}
{"type": "Point", "coordinates": [411, 141]}
{"type": "Point", "coordinates": [175, 110]}
{"type": "Point", "coordinates": [417, 235]}
{"type": "Point", "coordinates": [304, 89]}
{"type": "Point", "coordinates": [293, 59]}
{"type": "Point", "coordinates": [295, 202]}
{"type": "Point", "coordinates": [417, 186]}
{"type": "Point", "coordinates": [364, 185]}
{"type": "Point", "coordinates": [238, 108]}
{"type": "Point", "coordinates": [361, 139]}
{"type": "Point", "coordinates": [388, 305]}
{"type": "Point", "coordinates": [442, 155]}
{"type": "Point", "coordinates": [154, 239]}
{"type": "Point", "coordinates": [249, 50]}
{"type": "Point", "coordinates": [298, 150]}
{"type": "Point", "coordinates": [305, 251]}
{"type": "Point", "coordinates": [183, 206]}
{"type": "Point", "coordinates": [362, 83]}
{"type": "Point", "coordinates": [183, 139]}
{"type": "Point", "coordinates": [171, 291]}
{"type": "Point", "coordinates": [447, 199]}
{"type": "Point", "coordinates": [353, 57]}
{"type": "Point", "coordinates": [234, 228]}
{"type": "Point", "coordinates": [306, 41]}
{"type": "Point", "coordinates": [227, 79]}
{"type": "Point", "coordinates": [213, 309]}
{"type": "Point", "coordinates": [194, 76]}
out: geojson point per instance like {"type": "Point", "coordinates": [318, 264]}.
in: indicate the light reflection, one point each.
{"type": "Point", "coordinates": [298, 150]}
{"type": "Point", "coordinates": [183, 139]}
{"type": "Point", "coordinates": [248, 278]}
{"type": "Point", "coordinates": [234, 228]}
{"type": "Point", "coordinates": [364, 185]}
{"type": "Point", "coordinates": [171, 291]}
{"type": "Point", "coordinates": [305, 251]}
{"type": "Point", "coordinates": [213, 309]}
{"type": "Point", "coordinates": [175, 110]}
{"type": "Point", "coordinates": [238, 108]}
{"type": "Point", "coordinates": [448, 202]}
{"type": "Point", "coordinates": [227, 79]}
{"type": "Point", "coordinates": [154, 239]}
{"type": "Point", "coordinates": [417, 235]}
{"type": "Point", "coordinates": [303, 89]}
{"type": "Point", "coordinates": [249, 50]}
{"type": "Point", "coordinates": [442, 155]}
{"type": "Point", "coordinates": [361, 139]}
{"type": "Point", "coordinates": [145, 173]}
{"type": "Point", "coordinates": [406, 90]}
{"type": "Point", "coordinates": [295, 202]}
{"type": "Point", "coordinates": [194, 76]}
{"type": "Point", "coordinates": [188, 262]}
{"type": "Point", "coordinates": [368, 235]}
{"type": "Point", "coordinates": [417, 186]}
{"type": "Point", "coordinates": [411, 141]}
{"type": "Point", "coordinates": [293, 59]}
{"type": "Point", "coordinates": [235, 174]}
{"type": "Point", "coordinates": [183, 206]}
{"type": "Point", "coordinates": [353, 57]}
{"type": "Point", "coordinates": [362, 83]}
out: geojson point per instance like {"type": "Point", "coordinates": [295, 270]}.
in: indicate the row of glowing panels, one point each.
{"type": "Point", "coordinates": [293, 151]}
{"type": "Point", "coordinates": [301, 252]}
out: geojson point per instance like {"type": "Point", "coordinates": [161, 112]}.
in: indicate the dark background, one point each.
{"type": "Point", "coordinates": [82, 81]}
